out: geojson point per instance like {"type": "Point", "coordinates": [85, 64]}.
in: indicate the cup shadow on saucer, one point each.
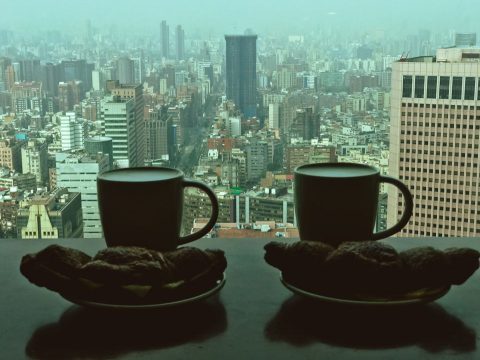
{"type": "Point", "coordinates": [301, 321]}
{"type": "Point", "coordinates": [93, 333]}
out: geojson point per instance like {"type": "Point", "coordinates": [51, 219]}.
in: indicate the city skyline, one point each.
{"type": "Point", "coordinates": [266, 17]}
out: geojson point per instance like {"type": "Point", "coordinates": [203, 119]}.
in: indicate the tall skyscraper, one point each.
{"type": "Point", "coordinates": [165, 38]}
{"type": "Point", "coordinates": [135, 92]}
{"type": "Point", "coordinates": [78, 173]}
{"type": "Point", "coordinates": [434, 142]}
{"type": "Point", "coordinates": [125, 70]}
{"type": "Point", "coordinates": [118, 118]}
{"type": "Point", "coordinates": [241, 55]}
{"type": "Point", "coordinates": [73, 131]}
{"type": "Point", "coordinates": [180, 42]}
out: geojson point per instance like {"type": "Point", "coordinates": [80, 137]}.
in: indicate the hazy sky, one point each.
{"type": "Point", "coordinates": [234, 16]}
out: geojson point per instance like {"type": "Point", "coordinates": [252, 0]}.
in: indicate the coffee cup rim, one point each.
{"type": "Point", "coordinates": [374, 170]}
{"type": "Point", "coordinates": [178, 173]}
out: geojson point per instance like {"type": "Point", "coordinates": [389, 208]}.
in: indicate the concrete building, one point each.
{"type": "Point", "coordinates": [180, 42]}
{"type": "Point", "coordinates": [125, 70]}
{"type": "Point", "coordinates": [165, 39]}
{"type": "Point", "coordinates": [301, 154]}
{"type": "Point", "coordinates": [100, 144]}
{"type": "Point", "coordinates": [10, 154]}
{"type": "Point", "coordinates": [25, 96]}
{"type": "Point", "coordinates": [435, 141]}
{"type": "Point", "coordinates": [73, 131]}
{"type": "Point", "coordinates": [35, 160]}
{"type": "Point", "coordinates": [125, 92]}
{"type": "Point", "coordinates": [241, 72]}
{"type": "Point", "coordinates": [273, 116]}
{"type": "Point", "coordinates": [51, 216]}
{"type": "Point", "coordinates": [78, 172]}
{"type": "Point", "coordinates": [156, 131]}
{"type": "Point", "coordinates": [257, 160]}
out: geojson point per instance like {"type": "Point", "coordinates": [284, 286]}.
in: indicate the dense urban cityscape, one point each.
{"type": "Point", "coordinates": [239, 112]}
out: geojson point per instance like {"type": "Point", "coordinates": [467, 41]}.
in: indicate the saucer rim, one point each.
{"type": "Point", "coordinates": [439, 292]}
{"type": "Point", "coordinates": [219, 285]}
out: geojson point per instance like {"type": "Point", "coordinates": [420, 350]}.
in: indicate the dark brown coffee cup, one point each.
{"type": "Point", "coordinates": [337, 202]}
{"type": "Point", "coordinates": [143, 207]}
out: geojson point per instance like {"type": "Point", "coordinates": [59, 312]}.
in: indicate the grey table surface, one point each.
{"type": "Point", "coordinates": [253, 317]}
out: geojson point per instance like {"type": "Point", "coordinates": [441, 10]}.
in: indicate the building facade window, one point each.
{"type": "Point", "coordinates": [432, 87]}
{"type": "Point", "coordinates": [457, 85]}
{"type": "Point", "coordinates": [444, 87]}
{"type": "Point", "coordinates": [407, 86]}
{"type": "Point", "coordinates": [469, 88]}
{"type": "Point", "coordinates": [419, 86]}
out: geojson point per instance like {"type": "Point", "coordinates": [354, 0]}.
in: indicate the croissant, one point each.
{"type": "Point", "coordinates": [124, 274]}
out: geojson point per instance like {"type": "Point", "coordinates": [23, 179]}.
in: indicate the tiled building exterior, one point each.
{"type": "Point", "coordinates": [434, 142]}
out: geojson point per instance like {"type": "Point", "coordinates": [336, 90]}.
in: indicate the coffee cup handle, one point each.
{"type": "Point", "coordinates": [213, 218]}
{"type": "Point", "coordinates": [407, 213]}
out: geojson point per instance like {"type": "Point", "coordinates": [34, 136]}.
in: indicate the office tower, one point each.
{"type": "Point", "coordinates": [257, 160]}
{"type": "Point", "coordinates": [180, 42]}
{"type": "Point", "coordinates": [305, 124]}
{"type": "Point", "coordinates": [138, 69]}
{"type": "Point", "coordinates": [78, 173]}
{"type": "Point", "coordinates": [50, 78]}
{"type": "Point", "coordinates": [98, 82]}
{"type": "Point", "coordinates": [465, 40]}
{"type": "Point", "coordinates": [80, 70]}
{"type": "Point", "coordinates": [125, 71]}
{"type": "Point", "coordinates": [69, 94]}
{"type": "Point", "coordinates": [241, 57]}
{"type": "Point", "coordinates": [29, 70]}
{"type": "Point", "coordinates": [156, 136]}
{"type": "Point", "coordinates": [434, 142]}
{"type": "Point", "coordinates": [23, 95]}
{"type": "Point", "coordinates": [35, 160]}
{"type": "Point", "coordinates": [72, 131]}
{"type": "Point", "coordinates": [100, 144]}
{"type": "Point", "coordinates": [51, 216]}
{"type": "Point", "coordinates": [134, 92]}
{"type": "Point", "coordinates": [118, 117]}
{"type": "Point", "coordinates": [165, 38]}
{"type": "Point", "coordinates": [273, 115]}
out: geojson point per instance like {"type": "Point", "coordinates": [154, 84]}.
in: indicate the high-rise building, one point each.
{"type": "Point", "coordinates": [69, 94]}
{"type": "Point", "coordinates": [50, 78]}
{"type": "Point", "coordinates": [100, 144]}
{"type": "Point", "coordinates": [26, 95]}
{"type": "Point", "coordinates": [165, 38]}
{"type": "Point", "coordinates": [466, 39]}
{"type": "Point", "coordinates": [156, 131]}
{"type": "Point", "coordinates": [241, 77]}
{"type": "Point", "coordinates": [134, 92]}
{"type": "Point", "coordinates": [180, 42]}
{"type": "Point", "coordinates": [257, 160]}
{"type": "Point", "coordinates": [125, 70]}
{"type": "Point", "coordinates": [73, 131]}
{"type": "Point", "coordinates": [78, 173]}
{"type": "Point", "coordinates": [80, 70]}
{"type": "Point", "coordinates": [29, 70]}
{"type": "Point", "coordinates": [118, 117]}
{"type": "Point", "coordinates": [435, 141]}
{"type": "Point", "coordinates": [35, 160]}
